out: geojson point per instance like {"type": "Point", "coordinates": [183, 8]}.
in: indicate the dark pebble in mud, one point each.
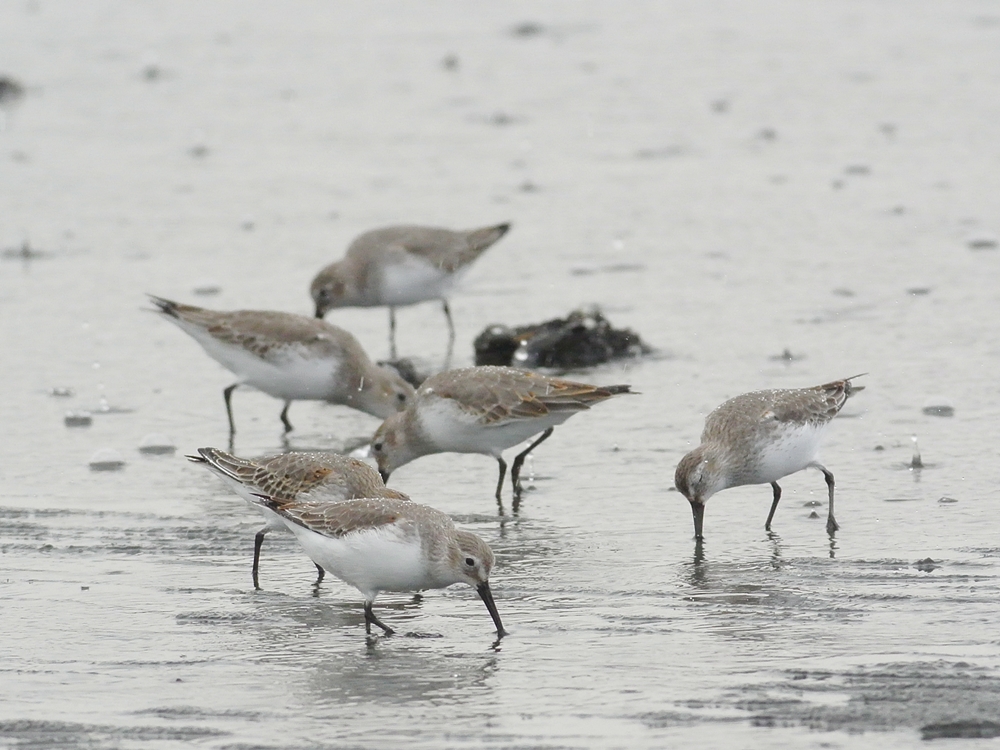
{"type": "Point", "coordinates": [527, 29]}
{"type": "Point", "coordinates": [78, 419]}
{"type": "Point", "coordinates": [926, 565]}
{"type": "Point", "coordinates": [155, 444]}
{"type": "Point", "coordinates": [983, 243]}
{"type": "Point", "coordinates": [939, 410]}
{"type": "Point", "coordinates": [24, 252]}
{"type": "Point", "coordinates": [961, 730]}
{"type": "Point", "coordinates": [10, 89]}
{"type": "Point", "coordinates": [785, 356]}
{"type": "Point", "coordinates": [107, 459]}
{"type": "Point", "coordinates": [947, 500]}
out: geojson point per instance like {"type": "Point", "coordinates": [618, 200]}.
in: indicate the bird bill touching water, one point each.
{"type": "Point", "coordinates": [293, 477]}
{"type": "Point", "coordinates": [483, 410]}
{"type": "Point", "coordinates": [290, 357]}
{"type": "Point", "coordinates": [402, 265]}
{"type": "Point", "coordinates": [387, 544]}
{"type": "Point", "coordinates": [758, 438]}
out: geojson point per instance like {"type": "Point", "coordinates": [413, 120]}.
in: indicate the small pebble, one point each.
{"type": "Point", "coordinates": [926, 565]}
{"type": "Point", "coordinates": [61, 391]}
{"type": "Point", "coordinates": [983, 243]}
{"type": "Point", "coordinates": [156, 444]}
{"type": "Point", "coordinates": [107, 459]}
{"type": "Point", "coordinates": [78, 419]}
{"type": "Point", "coordinates": [939, 410]}
{"type": "Point", "coordinates": [946, 500]}
{"type": "Point", "coordinates": [527, 29]}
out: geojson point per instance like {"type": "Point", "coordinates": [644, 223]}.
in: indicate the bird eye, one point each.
{"type": "Point", "coordinates": [470, 562]}
{"type": "Point", "coordinates": [376, 446]}
{"type": "Point", "coordinates": [401, 397]}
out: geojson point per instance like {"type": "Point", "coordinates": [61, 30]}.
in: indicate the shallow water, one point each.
{"type": "Point", "coordinates": [731, 182]}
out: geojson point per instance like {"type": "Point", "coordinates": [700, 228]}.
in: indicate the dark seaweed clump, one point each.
{"type": "Point", "coordinates": [582, 339]}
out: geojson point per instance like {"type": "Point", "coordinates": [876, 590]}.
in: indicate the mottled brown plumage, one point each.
{"type": "Point", "coordinates": [290, 357]}
{"type": "Point", "coordinates": [289, 478]}
{"type": "Point", "coordinates": [385, 544]}
{"type": "Point", "coordinates": [483, 410]}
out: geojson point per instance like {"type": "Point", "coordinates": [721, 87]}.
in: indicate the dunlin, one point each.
{"type": "Point", "coordinates": [290, 357]}
{"type": "Point", "coordinates": [758, 438]}
{"type": "Point", "coordinates": [386, 544]}
{"type": "Point", "coordinates": [482, 410]}
{"type": "Point", "coordinates": [401, 265]}
{"type": "Point", "coordinates": [293, 477]}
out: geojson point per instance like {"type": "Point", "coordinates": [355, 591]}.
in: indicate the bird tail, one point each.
{"type": "Point", "coordinates": [222, 463]}
{"type": "Point", "coordinates": [480, 239]}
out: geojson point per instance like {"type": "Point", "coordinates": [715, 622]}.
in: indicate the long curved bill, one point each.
{"type": "Point", "coordinates": [487, 596]}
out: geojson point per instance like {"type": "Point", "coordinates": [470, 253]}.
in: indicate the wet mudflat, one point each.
{"type": "Point", "coordinates": [772, 197]}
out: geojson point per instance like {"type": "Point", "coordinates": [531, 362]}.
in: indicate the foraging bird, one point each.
{"type": "Point", "coordinates": [402, 265]}
{"type": "Point", "coordinates": [386, 544]}
{"type": "Point", "coordinates": [482, 410]}
{"type": "Point", "coordinates": [758, 438]}
{"type": "Point", "coordinates": [290, 357]}
{"type": "Point", "coordinates": [293, 478]}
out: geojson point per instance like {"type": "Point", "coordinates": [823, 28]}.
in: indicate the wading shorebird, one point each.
{"type": "Point", "coordinates": [293, 478]}
{"type": "Point", "coordinates": [758, 438]}
{"type": "Point", "coordinates": [385, 544]}
{"type": "Point", "coordinates": [483, 410]}
{"type": "Point", "coordinates": [402, 265]}
{"type": "Point", "coordinates": [290, 357]}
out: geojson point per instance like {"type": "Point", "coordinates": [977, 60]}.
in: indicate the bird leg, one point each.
{"type": "Point", "coordinates": [503, 473]}
{"type": "Point", "coordinates": [371, 618]}
{"type": "Point", "coordinates": [451, 333]}
{"type": "Point", "coordinates": [284, 418]}
{"type": "Point", "coordinates": [319, 574]}
{"type": "Point", "coordinates": [515, 470]}
{"type": "Point", "coordinates": [227, 394]}
{"type": "Point", "coordinates": [392, 333]}
{"type": "Point", "coordinates": [831, 522]}
{"type": "Point", "coordinates": [257, 541]}
{"type": "Point", "coordinates": [774, 505]}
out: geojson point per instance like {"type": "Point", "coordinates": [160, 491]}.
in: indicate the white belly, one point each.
{"type": "Point", "coordinates": [791, 450]}
{"type": "Point", "coordinates": [455, 431]}
{"type": "Point", "coordinates": [295, 376]}
{"type": "Point", "coordinates": [371, 561]}
{"type": "Point", "coordinates": [413, 280]}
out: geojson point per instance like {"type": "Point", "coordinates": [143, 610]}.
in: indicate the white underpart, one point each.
{"type": "Point", "coordinates": [412, 279]}
{"type": "Point", "coordinates": [454, 430]}
{"type": "Point", "coordinates": [793, 448]}
{"type": "Point", "coordinates": [382, 559]}
{"type": "Point", "coordinates": [295, 376]}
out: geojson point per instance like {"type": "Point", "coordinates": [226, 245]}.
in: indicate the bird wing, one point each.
{"type": "Point", "coordinates": [496, 394]}
{"type": "Point", "coordinates": [339, 519]}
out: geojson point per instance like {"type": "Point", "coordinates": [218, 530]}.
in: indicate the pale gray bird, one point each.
{"type": "Point", "coordinates": [402, 265]}
{"type": "Point", "coordinates": [758, 438]}
{"type": "Point", "coordinates": [300, 477]}
{"type": "Point", "coordinates": [290, 357]}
